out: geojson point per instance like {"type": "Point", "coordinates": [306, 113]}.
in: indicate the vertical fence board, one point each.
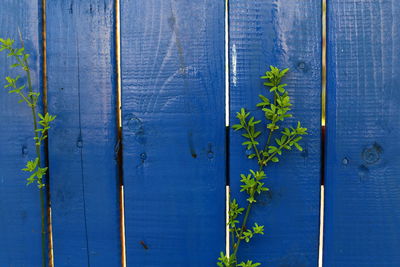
{"type": "Point", "coordinates": [83, 167]}
{"type": "Point", "coordinates": [363, 128]}
{"type": "Point", "coordinates": [173, 131]}
{"type": "Point", "coordinates": [20, 219]}
{"type": "Point", "coordinates": [284, 34]}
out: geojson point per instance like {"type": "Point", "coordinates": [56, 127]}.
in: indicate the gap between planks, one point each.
{"type": "Point", "coordinates": [227, 118]}
{"type": "Point", "coordinates": [119, 127]}
{"type": "Point", "coordinates": [323, 125]}
{"type": "Point", "coordinates": [46, 143]}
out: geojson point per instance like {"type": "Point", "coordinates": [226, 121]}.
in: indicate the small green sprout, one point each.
{"type": "Point", "coordinates": [278, 140]}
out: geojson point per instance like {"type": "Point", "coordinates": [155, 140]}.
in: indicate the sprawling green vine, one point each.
{"type": "Point", "coordinates": [275, 111]}
{"type": "Point", "coordinates": [41, 123]}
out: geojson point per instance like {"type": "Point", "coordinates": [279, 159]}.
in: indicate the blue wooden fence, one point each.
{"type": "Point", "coordinates": [173, 153]}
{"type": "Point", "coordinates": [363, 127]}
{"type": "Point", "coordinates": [82, 93]}
{"type": "Point", "coordinates": [172, 59]}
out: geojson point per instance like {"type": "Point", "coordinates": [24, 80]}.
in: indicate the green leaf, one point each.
{"type": "Point", "coordinates": [272, 126]}
{"type": "Point", "coordinates": [31, 165]}
{"type": "Point", "coordinates": [272, 149]}
{"type": "Point", "coordinates": [297, 139]}
{"type": "Point", "coordinates": [284, 71]}
{"type": "Point", "coordinates": [298, 146]}
{"type": "Point", "coordinates": [264, 99]}
{"type": "Point", "coordinates": [258, 229]}
{"type": "Point", "coordinates": [283, 139]}
{"type": "Point", "coordinates": [281, 88]}
{"type": "Point", "coordinates": [251, 123]}
{"type": "Point", "coordinates": [237, 127]}
{"type": "Point", "coordinates": [274, 159]}
{"type": "Point", "coordinates": [267, 84]}
{"type": "Point", "coordinates": [248, 264]}
{"type": "Point", "coordinates": [247, 143]}
{"type": "Point", "coordinates": [286, 131]}
{"type": "Point", "coordinates": [41, 172]}
{"type": "Point", "coordinates": [20, 51]}
{"type": "Point", "coordinates": [30, 180]}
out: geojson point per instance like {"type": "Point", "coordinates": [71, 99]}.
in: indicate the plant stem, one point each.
{"type": "Point", "coordinates": [38, 155]}
{"type": "Point", "coordinates": [267, 144]}
{"type": "Point", "coordinates": [270, 131]}
{"type": "Point", "coordinates": [233, 239]}
{"type": "Point", "coordinates": [42, 204]}
{"type": "Point", "coordinates": [246, 216]}
{"type": "Point", "coordinates": [269, 138]}
{"type": "Point", "coordinates": [41, 190]}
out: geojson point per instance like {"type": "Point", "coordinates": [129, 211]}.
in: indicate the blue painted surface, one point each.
{"type": "Point", "coordinates": [20, 219]}
{"type": "Point", "coordinates": [363, 127]}
{"type": "Point", "coordinates": [174, 136]}
{"type": "Point", "coordinates": [173, 131]}
{"type": "Point", "coordinates": [283, 34]}
{"type": "Point", "coordinates": [82, 93]}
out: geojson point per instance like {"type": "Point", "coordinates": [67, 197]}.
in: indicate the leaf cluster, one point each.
{"type": "Point", "coordinates": [45, 123]}
{"type": "Point", "coordinates": [26, 94]}
{"type": "Point", "coordinates": [18, 53]}
{"type": "Point", "coordinates": [37, 173]}
{"type": "Point", "coordinates": [251, 184]}
{"type": "Point", "coordinates": [21, 60]}
{"type": "Point", "coordinates": [225, 261]}
{"type": "Point", "coordinates": [274, 112]}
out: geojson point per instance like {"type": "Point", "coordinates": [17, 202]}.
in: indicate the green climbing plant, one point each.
{"type": "Point", "coordinates": [277, 139]}
{"type": "Point", "coordinates": [35, 169]}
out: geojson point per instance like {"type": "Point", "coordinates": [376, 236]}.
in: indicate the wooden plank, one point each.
{"type": "Point", "coordinates": [173, 131]}
{"type": "Point", "coordinates": [363, 128]}
{"type": "Point", "coordinates": [286, 34]}
{"type": "Point", "coordinates": [20, 220]}
{"type": "Point", "coordinates": [82, 93]}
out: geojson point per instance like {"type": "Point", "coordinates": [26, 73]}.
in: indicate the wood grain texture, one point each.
{"type": "Point", "coordinates": [363, 128]}
{"type": "Point", "coordinates": [173, 131]}
{"type": "Point", "coordinates": [283, 34]}
{"type": "Point", "coordinates": [84, 181]}
{"type": "Point", "coordinates": [20, 219]}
